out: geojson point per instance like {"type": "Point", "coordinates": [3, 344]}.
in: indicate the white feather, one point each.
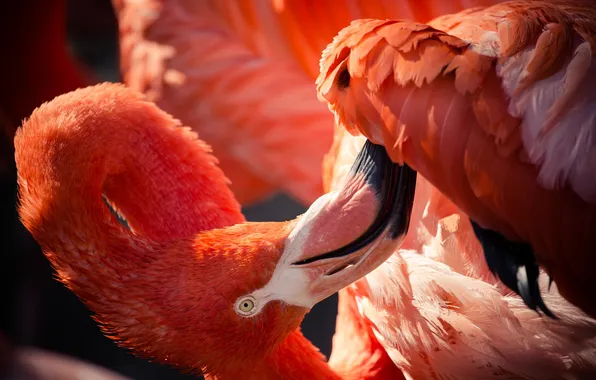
{"type": "Point", "coordinates": [485, 335]}
{"type": "Point", "coordinates": [487, 332]}
{"type": "Point", "coordinates": [567, 155]}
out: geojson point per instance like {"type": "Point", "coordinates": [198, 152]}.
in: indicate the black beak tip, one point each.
{"type": "Point", "coordinates": [395, 186]}
{"type": "Point", "coordinates": [372, 163]}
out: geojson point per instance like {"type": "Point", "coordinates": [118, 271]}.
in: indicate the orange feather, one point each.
{"type": "Point", "coordinates": [457, 125]}
{"type": "Point", "coordinates": [240, 73]}
{"type": "Point", "coordinates": [156, 288]}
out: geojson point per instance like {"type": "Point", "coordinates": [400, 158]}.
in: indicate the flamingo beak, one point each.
{"type": "Point", "coordinates": [346, 234]}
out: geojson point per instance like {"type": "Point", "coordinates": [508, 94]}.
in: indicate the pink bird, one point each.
{"type": "Point", "coordinates": [190, 283]}
{"type": "Point", "coordinates": [434, 311]}
{"type": "Point", "coordinates": [494, 106]}
{"type": "Point", "coordinates": [240, 73]}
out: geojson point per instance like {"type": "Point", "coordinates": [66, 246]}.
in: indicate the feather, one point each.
{"type": "Point", "coordinates": [494, 106]}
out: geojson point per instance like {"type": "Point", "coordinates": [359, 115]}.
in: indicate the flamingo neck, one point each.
{"type": "Point", "coordinates": [296, 358]}
{"type": "Point", "coordinates": [356, 354]}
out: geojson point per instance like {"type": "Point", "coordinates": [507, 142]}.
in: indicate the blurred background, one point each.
{"type": "Point", "coordinates": [36, 310]}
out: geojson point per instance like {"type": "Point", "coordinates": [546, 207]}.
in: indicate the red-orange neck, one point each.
{"type": "Point", "coordinates": [357, 355]}
{"type": "Point", "coordinates": [105, 141]}
{"type": "Point", "coordinates": [295, 359]}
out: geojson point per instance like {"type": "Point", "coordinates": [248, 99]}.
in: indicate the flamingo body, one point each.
{"type": "Point", "coordinates": [240, 74]}
{"type": "Point", "coordinates": [434, 310]}
{"type": "Point", "coordinates": [494, 107]}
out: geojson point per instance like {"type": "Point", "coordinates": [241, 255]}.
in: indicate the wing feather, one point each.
{"type": "Point", "coordinates": [543, 58]}
{"type": "Point", "coordinates": [435, 323]}
{"type": "Point", "coordinates": [517, 148]}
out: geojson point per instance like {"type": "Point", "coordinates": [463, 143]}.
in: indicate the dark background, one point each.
{"type": "Point", "coordinates": [37, 310]}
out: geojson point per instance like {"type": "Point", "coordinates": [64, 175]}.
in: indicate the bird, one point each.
{"type": "Point", "coordinates": [494, 107]}
{"type": "Point", "coordinates": [433, 310]}
{"type": "Point", "coordinates": [137, 219]}
{"type": "Point", "coordinates": [188, 282]}
{"type": "Point", "coordinates": [240, 73]}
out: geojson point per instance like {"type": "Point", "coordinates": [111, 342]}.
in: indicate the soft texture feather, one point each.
{"type": "Point", "coordinates": [161, 287]}
{"type": "Point", "coordinates": [435, 309]}
{"type": "Point", "coordinates": [240, 73]}
{"type": "Point", "coordinates": [490, 112]}
{"type": "Point", "coordinates": [436, 323]}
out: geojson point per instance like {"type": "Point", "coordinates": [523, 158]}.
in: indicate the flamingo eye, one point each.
{"type": "Point", "coordinates": [246, 306]}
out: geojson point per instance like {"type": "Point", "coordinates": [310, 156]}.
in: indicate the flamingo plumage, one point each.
{"type": "Point", "coordinates": [374, 361]}
{"type": "Point", "coordinates": [494, 106]}
{"type": "Point", "coordinates": [240, 73]}
{"type": "Point", "coordinates": [191, 284]}
{"type": "Point", "coordinates": [188, 282]}
{"type": "Point", "coordinates": [434, 310]}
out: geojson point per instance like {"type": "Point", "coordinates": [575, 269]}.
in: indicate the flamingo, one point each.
{"type": "Point", "coordinates": [433, 310]}
{"type": "Point", "coordinates": [493, 106]}
{"type": "Point", "coordinates": [190, 283]}
{"type": "Point", "coordinates": [240, 73]}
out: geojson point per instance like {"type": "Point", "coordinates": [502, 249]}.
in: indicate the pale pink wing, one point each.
{"type": "Point", "coordinates": [260, 115]}
{"type": "Point", "coordinates": [435, 311]}
{"type": "Point", "coordinates": [436, 323]}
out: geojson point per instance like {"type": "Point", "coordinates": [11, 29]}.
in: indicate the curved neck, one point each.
{"type": "Point", "coordinates": [104, 141]}
{"type": "Point", "coordinates": [112, 145]}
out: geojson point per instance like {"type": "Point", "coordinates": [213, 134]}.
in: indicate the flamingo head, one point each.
{"type": "Point", "coordinates": [253, 283]}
